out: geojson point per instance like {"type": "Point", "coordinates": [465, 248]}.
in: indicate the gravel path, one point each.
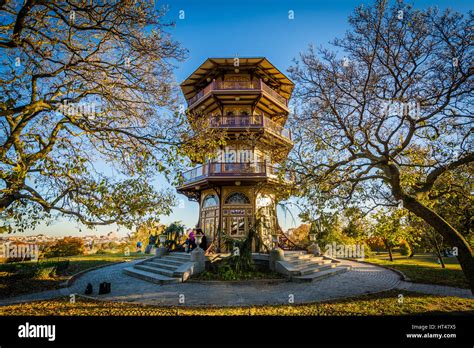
{"type": "Point", "coordinates": [362, 279]}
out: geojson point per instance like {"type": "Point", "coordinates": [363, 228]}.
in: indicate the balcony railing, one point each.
{"type": "Point", "coordinates": [234, 169]}
{"type": "Point", "coordinates": [255, 84]}
{"type": "Point", "coordinates": [274, 94]}
{"type": "Point", "coordinates": [249, 121]}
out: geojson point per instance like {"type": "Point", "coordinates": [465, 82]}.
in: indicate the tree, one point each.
{"type": "Point", "coordinates": [454, 200]}
{"type": "Point", "coordinates": [388, 227]}
{"type": "Point", "coordinates": [87, 85]}
{"type": "Point", "coordinates": [67, 246]}
{"type": "Point", "coordinates": [300, 235]}
{"type": "Point", "coordinates": [174, 235]}
{"type": "Point", "coordinates": [354, 223]}
{"type": "Point", "coordinates": [143, 232]}
{"type": "Point", "coordinates": [435, 241]}
{"type": "Point", "coordinates": [385, 119]}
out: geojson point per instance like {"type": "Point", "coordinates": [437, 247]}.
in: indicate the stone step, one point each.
{"type": "Point", "coordinates": [307, 261]}
{"type": "Point", "coordinates": [150, 277]}
{"type": "Point", "coordinates": [167, 261]}
{"type": "Point", "coordinates": [321, 275]}
{"type": "Point", "coordinates": [157, 270]}
{"type": "Point", "coordinates": [305, 264]}
{"type": "Point", "coordinates": [294, 253]}
{"type": "Point", "coordinates": [179, 253]}
{"type": "Point", "coordinates": [298, 257]}
{"type": "Point", "coordinates": [180, 258]}
{"type": "Point", "coordinates": [316, 268]}
{"type": "Point", "coordinates": [160, 264]}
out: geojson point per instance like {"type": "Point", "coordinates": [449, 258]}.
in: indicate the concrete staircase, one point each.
{"type": "Point", "coordinates": [299, 266]}
{"type": "Point", "coordinates": [175, 267]}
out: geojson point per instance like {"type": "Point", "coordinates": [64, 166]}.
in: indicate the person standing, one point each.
{"type": "Point", "coordinates": [190, 242]}
{"type": "Point", "coordinates": [139, 247]}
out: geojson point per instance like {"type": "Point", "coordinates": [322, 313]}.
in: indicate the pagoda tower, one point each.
{"type": "Point", "coordinates": [247, 100]}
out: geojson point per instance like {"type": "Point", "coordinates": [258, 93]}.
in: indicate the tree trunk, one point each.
{"type": "Point", "coordinates": [390, 253]}
{"type": "Point", "coordinates": [438, 253]}
{"type": "Point", "coordinates": [389, 248]}
{"type": "Point", "coordinates": [453, 237]}
{"type": "Point", "coordinates": [412, 253]}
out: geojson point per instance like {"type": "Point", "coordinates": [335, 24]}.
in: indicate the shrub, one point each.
{"type": "Point", "coordinates": [367, 250]}
{"type": "Point", "coordinates": [46, 272]}
{"type": "Point", "coordinates": [405, 248]}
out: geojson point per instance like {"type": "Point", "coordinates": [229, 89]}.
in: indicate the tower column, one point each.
{"type": "Point", "coordinates": [221, 220]}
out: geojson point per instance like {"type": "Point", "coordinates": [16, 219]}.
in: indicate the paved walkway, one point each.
{"type": "Point", "coordinates": [362, 279]}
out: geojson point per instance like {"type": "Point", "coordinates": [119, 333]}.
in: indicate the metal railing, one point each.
{"type": "Point", "coordinates": [249, 121]}
{"type": "Point", "coordinates": [237, 85]}
{"type": "Point", "coordinates": [274, 94]}
{"type": "Point", "coordinates": [257, 169]}
{"type": "Point", "coordinates": [237, 121]}
{"type": "Point", "coordinates": [255, 84]}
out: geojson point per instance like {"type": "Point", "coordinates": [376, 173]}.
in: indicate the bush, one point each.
{"type": "Point", "coordinates": [405, 248]}
{"type": "Point", "coordinates": [45, 273]}
{"type": "Point", "coordinates": [367, 250]}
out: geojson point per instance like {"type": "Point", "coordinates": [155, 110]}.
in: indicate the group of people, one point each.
{"type": "Point", "coordinates": [190, 243]}
{"type": "Point", "coordinates": [191, 240]}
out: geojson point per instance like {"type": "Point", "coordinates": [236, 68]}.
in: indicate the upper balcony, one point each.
{"type": "Point", "coordinates": [255, 86]}
{"type": "Point", "coordinates": [250, 122]}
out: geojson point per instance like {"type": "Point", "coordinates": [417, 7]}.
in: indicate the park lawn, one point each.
{"type": "Point", "coordinates": [19, 278]}
{"type": "Point", "coordinates": [424, 269]}
{"type": "Point", "coordinates": [386, 303]}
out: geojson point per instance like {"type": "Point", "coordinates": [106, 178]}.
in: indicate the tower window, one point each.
{"type": "Point", "coordinates": [237, 198]}
{"type": "Point", "coordinates": [210, 201]}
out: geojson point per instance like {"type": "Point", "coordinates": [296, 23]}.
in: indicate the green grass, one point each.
{"type": "Point", "coordinates": [18, 278]}
{"type": "Point", "coordinates": [424, 269]}
{"type": "Point", "coordinates": [386, 303]}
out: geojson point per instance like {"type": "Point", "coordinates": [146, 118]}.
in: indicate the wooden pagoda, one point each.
{"type": "Point", "coordinates": [247, 99]}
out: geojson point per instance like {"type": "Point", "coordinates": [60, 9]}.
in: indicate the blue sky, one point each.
{"type": "Point", "coordinates": [249, 28]}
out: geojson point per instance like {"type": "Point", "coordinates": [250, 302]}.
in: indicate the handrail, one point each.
{"type": "Point", "coordinates": [237, 85]}
{"type": "Point", "coordinates": [248, 121]}
{"type": "Point", "coordinates": [255, 84]}
{"type": "Point", "coordinates": [237, 168]}
{"type": "Point", "coordinates": [258, 169]}
{"type": "Point", "coordinates": [274, 94]}
{"type": "Point", "coordinates": [237, 121]}
{"type": "Point", "coordinates": [290, 245]}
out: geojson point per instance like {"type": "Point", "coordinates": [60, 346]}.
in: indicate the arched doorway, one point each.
{"type": "Point", "coordinates": [210, 215]}
{"type": "Point", "coordinates": [237, 215]}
